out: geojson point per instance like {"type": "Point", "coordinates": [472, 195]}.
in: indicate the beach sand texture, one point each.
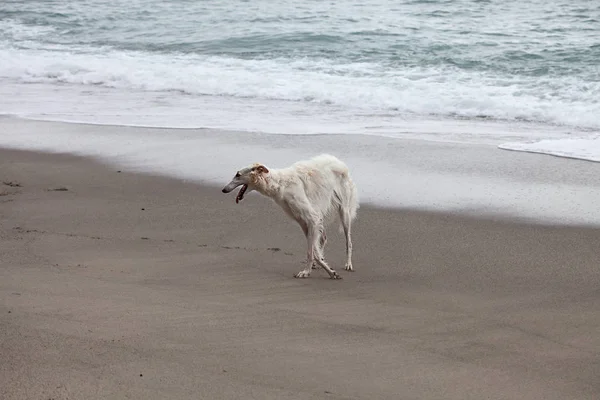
{"type": "Point", "coordinates": [120, 285]}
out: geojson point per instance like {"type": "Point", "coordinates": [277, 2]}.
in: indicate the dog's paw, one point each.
{"type": "Point", "coordinates": [349, 267]}
{"type": "Point", "coordinates": [335, 275]}
{"type": "Point", "coordinates": [302, 274]}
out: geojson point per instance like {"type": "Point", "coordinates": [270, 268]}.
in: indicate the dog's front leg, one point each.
{"type": "Point", "coordinates": [304, 227]}
{"type": "Point", "coordinates": [309, 231]}
{"type": "Point", "coordinates": [310, 254]}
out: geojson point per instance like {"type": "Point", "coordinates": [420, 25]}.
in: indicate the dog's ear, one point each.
{"type": "Point", "coordinates": [262, 169]}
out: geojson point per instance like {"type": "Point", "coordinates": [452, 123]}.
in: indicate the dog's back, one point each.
{"type": "Point", "coordinates": [327, 184]}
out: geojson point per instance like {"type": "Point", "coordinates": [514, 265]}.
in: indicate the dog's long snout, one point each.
{"type": "Point", "coordinates": [228, 188]}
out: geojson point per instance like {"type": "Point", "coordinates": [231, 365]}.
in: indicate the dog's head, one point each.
{"type": "Point", "coordinates": [248, 178]}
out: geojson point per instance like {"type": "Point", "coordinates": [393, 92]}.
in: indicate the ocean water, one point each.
{"type": "Point", "coordinates": [283, 80]}
{"type": "Point", "coordinates": [466, 70]}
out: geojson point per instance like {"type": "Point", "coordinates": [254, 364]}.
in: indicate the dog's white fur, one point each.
{"type": "Point", "coordinates": [308, 191]}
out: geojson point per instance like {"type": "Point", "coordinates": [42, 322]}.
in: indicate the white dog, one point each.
{"type": "Point", "coordinates": [308, 191]}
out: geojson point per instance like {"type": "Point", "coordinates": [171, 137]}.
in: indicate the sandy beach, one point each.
{"type": "Point", "coordinates": [121, 285]}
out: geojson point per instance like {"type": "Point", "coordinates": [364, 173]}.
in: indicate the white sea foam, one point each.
{"type": "Point", "coordinates": [360, 87]}
{"type": "Point", "coordinates": [104, 106]}
{"type": "Point", "coordinates": [579, 148]}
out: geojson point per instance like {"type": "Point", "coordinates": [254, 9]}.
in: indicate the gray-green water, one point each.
{"type": "Point", "coordinates": [335, 66]}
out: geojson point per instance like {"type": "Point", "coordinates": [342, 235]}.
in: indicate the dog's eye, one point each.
{"type": "Point", "coordinates": [237, 175]}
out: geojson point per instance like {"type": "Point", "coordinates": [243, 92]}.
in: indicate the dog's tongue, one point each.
{"type": "Point", "coordinates": [240, 195]}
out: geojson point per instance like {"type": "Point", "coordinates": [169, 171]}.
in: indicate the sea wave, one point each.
{"type": "Point", "coordinates": [366, 87]}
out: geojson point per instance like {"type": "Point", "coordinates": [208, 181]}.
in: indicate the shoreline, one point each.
{"type": "Point", "coordinates": [467, 215]}
{"type": "Point", "coordinates": [126, 284]}
{"type": "Point", "coordinates": [390, 173]}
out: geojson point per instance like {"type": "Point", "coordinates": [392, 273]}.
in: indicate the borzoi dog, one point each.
{"type": "Point", "coordinates": [308, 191]}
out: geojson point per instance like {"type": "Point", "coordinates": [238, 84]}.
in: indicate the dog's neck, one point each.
{"type": "Point", "coordinates": [270, 184]}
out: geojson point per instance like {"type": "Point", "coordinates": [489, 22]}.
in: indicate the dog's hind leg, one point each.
{"type": "Point", "coordinates": [319, 255]}
{"type": "Point", "coordinates": [321, 261]}
{"type": "Point", "coordinates": [347, 224]}
{"type": "Point", "coordinates": [322, 243]}
{"type": "Point", "coordinates": [314, 253]}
